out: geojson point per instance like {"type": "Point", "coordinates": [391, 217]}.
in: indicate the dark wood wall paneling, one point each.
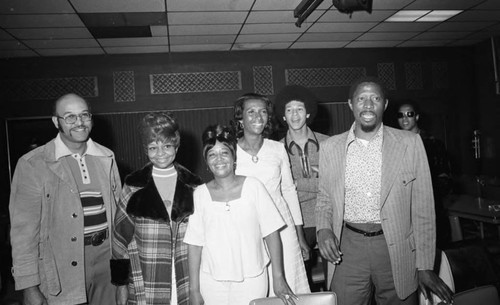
{"type": "Point", "coordinates": [449, 111]}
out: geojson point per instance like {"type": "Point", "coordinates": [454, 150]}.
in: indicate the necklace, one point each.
{"type": "Point", "coordinates": [255, 159]}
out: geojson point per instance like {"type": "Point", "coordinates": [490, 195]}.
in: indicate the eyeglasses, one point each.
{"type": "Point", "coordinates": [408, 114]}
{"type": "Point", "coordinates": [72, 118]}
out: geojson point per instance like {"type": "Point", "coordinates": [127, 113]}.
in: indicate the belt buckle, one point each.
{"type": "Point", "coordinates": [98, 239]}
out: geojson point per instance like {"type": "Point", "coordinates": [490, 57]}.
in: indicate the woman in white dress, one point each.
{"type": "Point", "coordinates": [267, 160]}
{"type": "Point", "coordinates": [233, 217]}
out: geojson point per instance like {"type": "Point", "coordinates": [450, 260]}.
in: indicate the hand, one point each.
{"type": "Point", "coordinates": [195, 298]}
{"type": "Point", "coordinates": [283, 291]}
{"type": "Point", "coordinates": [329, 246]}
{"type": "Point", "coordinates": [306, 251]}
{"type": "Point", "coordinates": [33, 296]}
{"type": "Point", "coordinates": [428, 281]}
{"type": "Point", "coordinates": [121, 295]}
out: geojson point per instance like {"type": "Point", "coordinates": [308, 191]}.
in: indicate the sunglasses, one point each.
{"type": "Point", "coordinates": [408, 114]}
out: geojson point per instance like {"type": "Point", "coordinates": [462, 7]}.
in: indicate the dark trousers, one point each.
{"type": "Point", "coordinates": [365, 271]}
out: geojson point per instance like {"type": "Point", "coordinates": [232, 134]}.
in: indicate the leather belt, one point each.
{"type": "Point", "coordinates": [367, 234]}
{"type": "Point", "coordinates": [96, 239]}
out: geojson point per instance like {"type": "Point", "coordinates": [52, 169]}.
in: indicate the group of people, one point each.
{"type": "Point", "coordinates": [364, 198]}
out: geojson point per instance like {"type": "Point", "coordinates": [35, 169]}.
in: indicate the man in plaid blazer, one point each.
{"type": "Point", "coordinates": [375, 211]}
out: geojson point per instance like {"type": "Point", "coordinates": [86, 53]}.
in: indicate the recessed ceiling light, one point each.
{"type": "Point", "coordinates": [407, 16]}
{"type": "Point", "coordinates": [439, 15]}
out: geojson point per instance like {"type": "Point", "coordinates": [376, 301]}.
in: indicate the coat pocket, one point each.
{"type": "Point", "coordinates": [407, 178]}
{"type": "Point", "coordinates": [52, 280]}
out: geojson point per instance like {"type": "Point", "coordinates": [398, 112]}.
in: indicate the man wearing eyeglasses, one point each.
{"type": "Point", "coordinates": [62, 203]}
{"type": "Point", "coordinates": [408, 117]}
{"type": "Point", "coordinates": [375, 212]}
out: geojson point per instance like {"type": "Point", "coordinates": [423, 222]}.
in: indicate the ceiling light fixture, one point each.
{"type": "Point", "coordinates": [423, 15]}
{"type": "Point", "coordinates": [349, 6]}
{"type": "Point", "coordinates": [304, 9]}
{"type": "Point", "coordinates": [439, 16]}
{"type": "Point", "coordinates": [407, 16]}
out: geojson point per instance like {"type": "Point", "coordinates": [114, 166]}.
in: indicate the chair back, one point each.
{"type": "Point", "coordinates": [484, 295]}
{"type": "Point", "coordinates": [444, 272]}
{"type": "Point", "coordinates": [316, 298]}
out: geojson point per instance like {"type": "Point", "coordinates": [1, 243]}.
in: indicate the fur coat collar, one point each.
{"type": "Point", "coordinates": [146, 202]}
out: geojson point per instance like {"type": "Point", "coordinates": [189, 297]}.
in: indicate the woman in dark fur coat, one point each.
{"type": "Point", "coordinates": [150, 260]}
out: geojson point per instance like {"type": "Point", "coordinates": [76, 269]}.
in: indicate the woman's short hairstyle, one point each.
{"type": "Point", "coordinates": [159, 126]}
{"type": "Point", "coordinates": [239, 105]}
{"type": "Point", "coordinates": [223, 134]}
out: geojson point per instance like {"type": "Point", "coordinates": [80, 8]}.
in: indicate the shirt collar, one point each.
{"type": "Point", "coordinates": [311, 137]}
{"type": "Point", "coordinates": [352, 137]}
{"type": "Point", "coordinates": [62, 150]}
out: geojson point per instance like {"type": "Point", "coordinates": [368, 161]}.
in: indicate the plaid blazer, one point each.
{"type": "Point", "coordinates": [145, 238]}
{"type": "Point", "coordinates": [406, 202]}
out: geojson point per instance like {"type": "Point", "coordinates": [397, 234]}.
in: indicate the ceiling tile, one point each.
{"type": "Point", "coordinates": [267, 38]}
{"type": "Point", "coordinates": [206, 18]}
{"type": "Point", "coordinates": [440, 35]}
{"type": "Point", "coordinates": [135, 41]}
{"type": "Point", "coordinates": [480, 35]}
{"type": "Point", "coordinates": [40, 21]}
{"type": "Point", "coordinates": [403, 26]}
{"type": "Point", "coordinates": [271, 5]}
{"type": "Point", "coordinates": [424, 43]}
{"type": "Point", "coordinates": [464, 42]}
{"type": "Point", "coordinates": [51, 33]}
{"type": "Point", "coordinates": [207, 29]}
{"type": "Point", "coordinates": [387, 36]}
{"type": "Point", "coordinates": [319, 45]}
{"type": "Point", "coordinates": [488, 5]}
{"type": "Point", "coordinates": [329, 37]}
{"type": "Point", "coordinates": [342, 27]}
{"type": "Point", "coordinates": [158, 30]}
{"type": "Point", "coordinates": [478, 15]}
{"type": "Point", "coordinates": [70, 52]}
{"type": "Point", "coordinates": [124, 19]}
{"type": "Point", "coordinates": [216, 39]}
{"type": "Point", "coordinates": [201, 48]}
{"type": "Point", "coordinates": [375, 16]}
{"type": "Point", "coordinates": [35, 7]}
{"type": "Point", "coordinates": [137, 49]}
{"type": "Point", "coordinates": [461, 26]}
{"type": "Point", "coordinates": [373, 44]}
{"type": "Point", "coordinates": [5, 36]}
{"type": "Point", "coordinates": [212, 5]}
{"type": "Point", "coordinates": [271, 28]}
{"type": "Point", "coordinates": [111, 6]}
{"type": "Point", "coordinates": [261, 46]}
{"type": "Point", "coordinates": [17, 53]}
{"type": "Point", "coordinates": [390, 4]}
{"type": "Point", "coordinates": [271, 17]}
{"type": "Point", "coordinates": [442, 4]}
{"type": "Point", "coordinates": [62, 43]}
{"type": "Point", "coordinates": [12, 45]}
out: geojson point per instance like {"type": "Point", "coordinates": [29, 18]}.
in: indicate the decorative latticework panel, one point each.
{"type": "Point", "coordinates": [49, 88]}
{"type": "Point", "coordinates": [414, 78]}
{"type": "Point", "coordinates": [263, 80]}
{"type": "Point", "coordinates": [124, 86]}
{"type": "Point", "coordinates": [323, 77]}
{"type": "Point", "coordinates": [387, 75]}
{"type": "Point", "coordinates": [195, 82]}
{"type": "Point", "coordinates": [440, 76]}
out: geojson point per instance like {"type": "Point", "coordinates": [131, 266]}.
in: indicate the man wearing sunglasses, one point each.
{"type": "Point", "coordinates": [408, 117]}
{"type": "Point", "coordinates": [62, 203]}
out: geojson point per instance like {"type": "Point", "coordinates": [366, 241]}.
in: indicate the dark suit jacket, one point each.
{"type": "Point", "coordinates": [406, 201]}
